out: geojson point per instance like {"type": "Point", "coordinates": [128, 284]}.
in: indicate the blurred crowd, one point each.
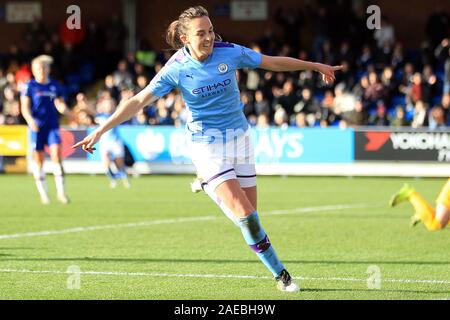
{"type": "Point", "coordinates": [382, 82]}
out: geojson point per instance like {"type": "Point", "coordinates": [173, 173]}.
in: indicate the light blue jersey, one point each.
{"type": "Point", "coordinates": [110, 136]}
{"type": "Point", "coordinates": [209, 88]}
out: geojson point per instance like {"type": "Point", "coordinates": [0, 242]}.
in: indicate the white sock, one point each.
{"type": "Point", "coordinates": [113, 167]}
{"type": "Point", "coordinates": [59, 178]}
{"type": "Point", "coordinates": [220, 203]}
{"type": "Point", "coordinates": [41, 183]}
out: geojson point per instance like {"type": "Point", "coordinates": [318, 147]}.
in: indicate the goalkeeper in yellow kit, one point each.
{"type": "Point", "coordinates": [433, 219]}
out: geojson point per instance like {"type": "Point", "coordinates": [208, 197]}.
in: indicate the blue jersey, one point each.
{"type": "Point", "coordinates": [42, 98]}
{"type": "Point", "coordinates": [209, 88]}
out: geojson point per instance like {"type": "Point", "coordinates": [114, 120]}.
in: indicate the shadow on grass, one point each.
{"type": "Point", "coordinates": [231, 261]}
{"type": "Point", "coordinates": [375, 291]}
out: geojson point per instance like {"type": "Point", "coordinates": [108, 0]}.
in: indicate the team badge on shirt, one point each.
{"type": "Point", "coordinates": [222, 68]}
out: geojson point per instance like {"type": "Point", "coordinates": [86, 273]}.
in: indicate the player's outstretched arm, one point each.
{"type": "Point", "coordinates": [62, 108]}
{"type": "Point", "coordinates": [282, 64]}
{"type": "Point", "coordinates": [124, 111]}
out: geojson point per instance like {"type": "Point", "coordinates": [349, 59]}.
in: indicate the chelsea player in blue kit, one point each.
{"type": "Point", "coordinates": [218, 133]}
{"type": "Point", "coordinates": [41, 100]}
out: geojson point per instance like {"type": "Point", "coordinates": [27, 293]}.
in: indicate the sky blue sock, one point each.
{"type": "Point", "coordinates": [256, 238]}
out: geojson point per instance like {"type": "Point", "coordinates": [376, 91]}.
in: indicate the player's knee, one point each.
{"type": "Point", "coordinates": [242, 208]}
{"type": "Point", "coordinates": [57, 168]}
{"type": "Point", "coordinates": [38, 171]}
{"type": "Point", "coordinates": [55, 158]}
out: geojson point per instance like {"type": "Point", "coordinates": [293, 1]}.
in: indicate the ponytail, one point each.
{"type": "Point", "coordinates": [173, 35]}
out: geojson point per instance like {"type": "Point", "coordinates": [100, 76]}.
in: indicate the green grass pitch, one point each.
{"type": "Point", "coordinates": [157, 240]}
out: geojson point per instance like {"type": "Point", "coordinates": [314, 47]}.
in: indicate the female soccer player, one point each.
{"type": "Point", "coordinates": [219, 138]}
{"type": "Point", "coordinates": [433, 219]}
{"type": "Point", "coordinates": [41, 100]}
{"type": "Point", "coordinates": [112, 150]}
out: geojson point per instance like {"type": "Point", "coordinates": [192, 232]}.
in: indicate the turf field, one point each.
{"type": "Point", "coordinates": [157, 240]}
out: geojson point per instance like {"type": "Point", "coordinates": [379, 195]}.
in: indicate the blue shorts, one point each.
{"type": "Point", "coordinates": [45, 136]}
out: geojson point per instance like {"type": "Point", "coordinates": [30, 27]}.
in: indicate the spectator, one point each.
{"type": "Point", "coordinates": [11, 108]}
{"type": "Point", "coordinates": [163, 117]}
{"type": "Point", "coordinates": [345, 77]}
{"type": "Point", "coordinates": [261, 104]}
{"type": "Point", "coordinates": [140, 118]}
{"type": "Point", "coordinates": [437, 118]}
{"type": "Point", "coordinates": [111, 87]}
{"type": "Point", "coordinates": [420, 119]}
{"type": "Point", "coordinates": [122, 77]}
{"type": "Point", "coordinates": [22, 75]}
{"type": "Point", "coordinates": [442, 53]}
{"type": "Point", "coordinates": [407, 78]}
{"type": "Point", "coordinates": [327, 112]}
{"type": "Point", "coordinates": [277, 87]}
{"type": "Point", "coordinates": [380, 118]}
{"type": "Point", "coordinates": [179, 114]}
{"type": "Point", "coordinates": [85, 120]}
{"type": "Point", "coordinates": [82, 103]}
{"type": "Point", "coordinates": [358, 116]}
{"type": "Point", "coordinates": [446, 107]}
{"type": "Point", "coordinates": [139, 70]}
{"type": "Point", "coordinates": [248, 108]}
{"type": "Point", "coordinates": [141, 83]}
{"type": "Point", "coordinates": [288, 97]}
{"type": "Point", "coordinates": [365, 59]}
{"type": "Point", "coordinates": [399, 120]}
{"type": "Point", "coordinates": [83, 112]}
{"type": "Point", "coordinates": [280, 117]}
{"type": "Point", "coordinates": [266, 85]}
{"type": "Point", "coordinates": [345, 52]}
{"type": "Point", "coordinates": [263, 121]}
{"type": "Point", "coordinates": [3, 80]}
{"type": "Point", "coordinates": [307, 104]}
{"type": "Point", "coordinates": [375, 91]}
{"type": "Point", "coordinates": [300, 120]}
{"type": "Point", "coordinates": [429, 84]}
{"type": "Point", "coordinates": [415, 91]}
{"type": "Point", "coordinates": [398, 59]}
{"type": "Point", "coordinates": [344, 101]}
{"type": "Point", "coordinates": [253, 80]}
{"type": "Point", "coordinates": [306, 79]}
{"type": "Point", "coordinates": [360, 89]}
{"type": "Point", "coordinates": [389, 84]}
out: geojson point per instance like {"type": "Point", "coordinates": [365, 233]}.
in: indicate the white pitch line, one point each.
{"type": "Point", "coordinates": [317, 209]}
{"type": "Point", "coordinates": [175, 220]}
{"type": "Point", "coordinates": [105, 226]}
{"type": "Point", "coordinates": [218, 276]}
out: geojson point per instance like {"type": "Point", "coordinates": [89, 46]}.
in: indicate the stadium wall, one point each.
{"type": "Point", "coordinates": [290, 151]}
{"type": "Point", "coordinates": [152, 26]}
{"type": "Point", "coordinates": [154, 16]}
{"type": "Point", "coordinates": [54, 14]}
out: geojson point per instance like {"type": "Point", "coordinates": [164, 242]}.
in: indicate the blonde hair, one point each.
{"type": "Point", "coordinates": [180, 26]}
{"type": "Point", "coordinates": [42, 59]}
